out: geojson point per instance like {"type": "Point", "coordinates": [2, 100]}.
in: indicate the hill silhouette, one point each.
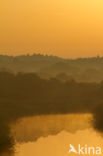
{"type": "Point", "coordinates": [81, 69]}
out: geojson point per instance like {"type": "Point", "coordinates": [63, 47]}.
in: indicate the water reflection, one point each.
{"type": "Point", "coordinates": [59, 145]}
{"type": "Point", "coordinates": [32, 128]}
{"type": "Point", "coordinates": [45, 135]}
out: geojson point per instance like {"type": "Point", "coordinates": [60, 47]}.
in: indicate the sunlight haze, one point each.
{"type": "Point", "coordinates": [66, 28]}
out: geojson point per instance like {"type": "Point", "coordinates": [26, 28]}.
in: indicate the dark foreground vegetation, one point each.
{"type": "Point", "coordinates": [28, 94]}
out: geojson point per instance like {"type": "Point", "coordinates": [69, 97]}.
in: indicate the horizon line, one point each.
{"type": "Point", "coordinates": [51, 55]}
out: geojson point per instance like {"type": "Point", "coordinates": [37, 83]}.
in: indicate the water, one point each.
{"type": "Point", "coordinates": [51, 134]}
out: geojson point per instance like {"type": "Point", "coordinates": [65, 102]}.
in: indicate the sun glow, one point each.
{"type": "Point", "coordinates": [59, 27]}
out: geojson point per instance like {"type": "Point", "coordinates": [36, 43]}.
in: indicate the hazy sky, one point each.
{"type": "Point", "coordinates": [67, 28]}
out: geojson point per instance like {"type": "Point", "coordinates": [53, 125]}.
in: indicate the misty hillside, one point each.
{"type": "Point", "coordinates": [81, 69]}
{"type": "Point", "coordinates": [26, 94]}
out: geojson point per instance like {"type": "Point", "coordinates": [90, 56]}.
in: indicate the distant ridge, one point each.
{"type": "Point", "coordinates": [51, 56]}
{"type": "Point", "coordinates": [80, 69]}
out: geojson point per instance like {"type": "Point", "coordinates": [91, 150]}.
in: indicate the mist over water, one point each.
{"type": "Point", "coordinates": [52, 134]}
{"type": "Point", "coordinates": [48, 99]}
{"type": "Point", "coordinates": [32, 128]}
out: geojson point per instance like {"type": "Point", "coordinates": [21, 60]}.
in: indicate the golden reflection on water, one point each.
{"type": "Point", "coordinates": [50, 135]}
{"type": "Point", "coordinates": [31, 128]}
{"type": "Point", "coordinates": [59, 145]}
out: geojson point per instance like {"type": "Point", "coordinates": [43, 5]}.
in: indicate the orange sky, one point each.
{"type": "Point", "coordinates": [66, 28]}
